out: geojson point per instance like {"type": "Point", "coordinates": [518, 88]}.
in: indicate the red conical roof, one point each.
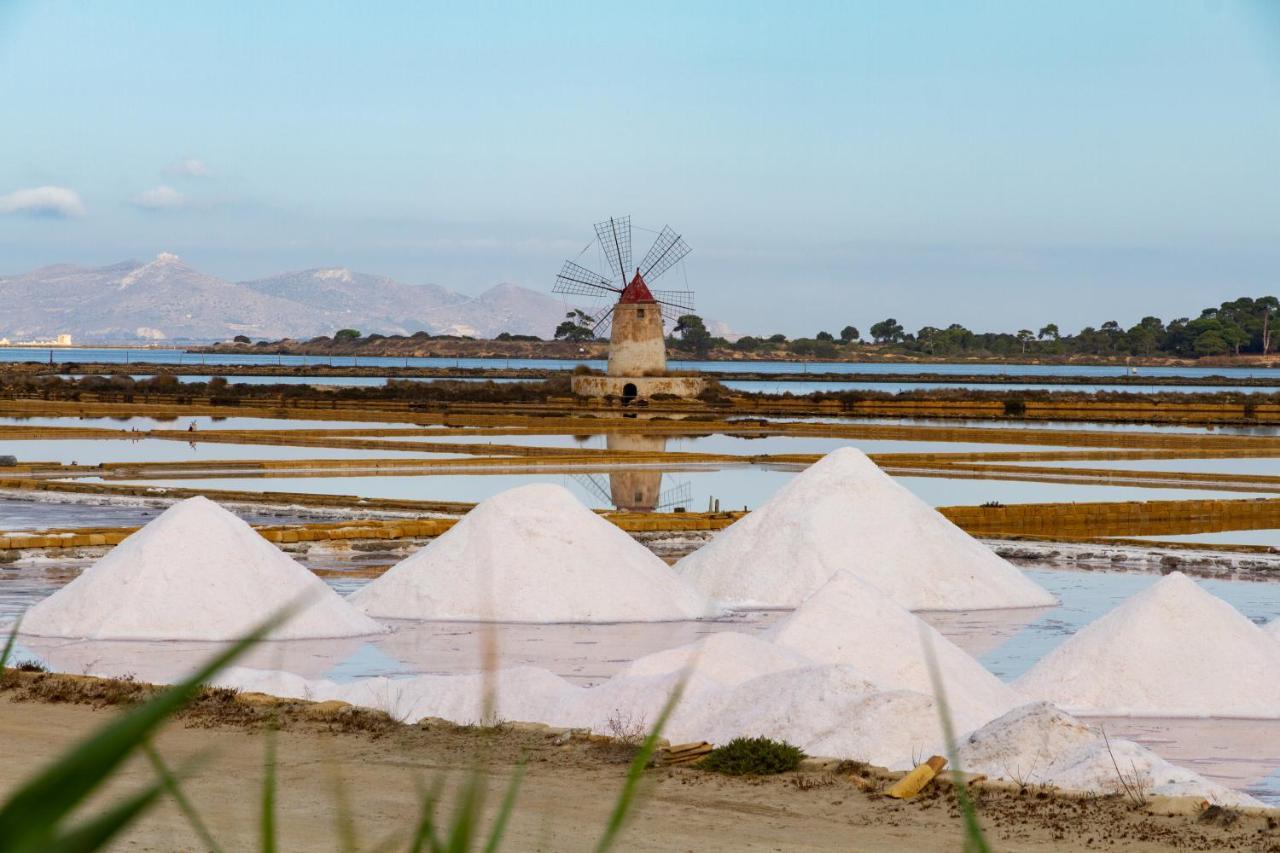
{"type": "Point", "coordinates": [636, 291]}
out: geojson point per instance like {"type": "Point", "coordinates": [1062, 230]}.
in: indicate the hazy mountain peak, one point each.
{"type": "Point", "coordinates": [333, 274]}
{"type": "Point", "coordinates": [167, 299]}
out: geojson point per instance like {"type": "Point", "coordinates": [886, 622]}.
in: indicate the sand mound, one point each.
{"type": "Point", "coordinates": [195, 572]}
{"type": "Point", "coordinates": [850, 622]}
{"type": "Point", "coordinates": [1172, 650]}
{"type": "Point", "coordinates": [532, 554]}
{"type": "Point", "coordinates": [1039, 744]}
{"type": "Point", "coordinates": [845, 513]}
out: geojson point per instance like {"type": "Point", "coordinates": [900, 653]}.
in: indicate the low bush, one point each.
{"type": "Point", "coordinates": [753, 756]}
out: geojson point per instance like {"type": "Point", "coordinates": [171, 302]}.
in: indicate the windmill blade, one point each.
{"type": "Point", "coordinates": [615, 239]}
{"type": "Point", "coordinates": [671, 313]}
{"type": "Point", "coordinates": [678, 495]}
{"type": "Point", "coordinates": [580, 281]}
{"type": "Point", "coordinates": [594, 485]}
{"type": "Point", "coordinates": [682, 299]}
{"type": "Point", "coordinates": [602, 323]}
{"type": "Point", "coordinates": [666, 252]}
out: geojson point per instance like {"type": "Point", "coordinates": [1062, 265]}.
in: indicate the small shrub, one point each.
{"type": "Point", "coordinates": [30, 666]}
{"type": "Point", "coordinates": [754, 756]}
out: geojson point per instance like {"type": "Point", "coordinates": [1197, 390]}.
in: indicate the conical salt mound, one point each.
{"type": "Point", "coordinates": [851, 622]}
{"type": "Point", "coordinates": [845, 513]}
{"type": "Point", "coordinates": [1172, 650]}
{"type": "Point", "coordinates": [195, 572]}
{"type": "Point", "coordinates": [532, 554]}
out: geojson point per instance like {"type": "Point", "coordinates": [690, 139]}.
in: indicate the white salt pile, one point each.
{"type": "Point", "coordinates": [829, 710]}
{"type": "Point", "coordinates": [526, 694]}
{"type": "Point", "coordinates": [1172, 650]}
{"type": "Point", "coordinates": [843, 512]}
{"type": "Point", "coordinates": [1039, 744]}
{"type": "Point", "coordinates": [195, 572]}
{"type": "Point", "coordinates": [851, 622]}
{"type": "Point", "coordinates": [533, 554]}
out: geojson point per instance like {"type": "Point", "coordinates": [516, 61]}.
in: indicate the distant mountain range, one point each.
{"type": "Point", "coordinates": [167, 299]}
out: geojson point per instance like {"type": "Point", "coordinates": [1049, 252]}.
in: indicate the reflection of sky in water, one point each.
{"type": "Point", "coordinates": [37, 515]}
{"type": "Point", "coordinates": [1223, 537]}
{"type": "Point", "coordinates": [201, 422]}
{"type": "Point", "coordinates": [97, 451]}
{"type": "Point", "coordinates": [759, 386]}
{"type": "Point", "coordinates": [747, 485]}
{"type": "Point", "coordinates": [739, 444]}
{"type": "Point", "coordinates": [1269, 466]}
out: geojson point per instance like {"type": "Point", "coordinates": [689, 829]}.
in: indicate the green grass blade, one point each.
{"type": "Point", "coordinates": [31, 814]}
{"type": "Point", "coordinates": [504, 812]}
{"type": "Point", "coordinates": [268, 814]}
{"type": "Point", "coordinates": [627, 798]}
{"type": "Point", "coordinates": [974, 840]}
{"type": "Point", "coordinates": [170, 783]}
{"type": "Point", "coordinates": [95, 833]}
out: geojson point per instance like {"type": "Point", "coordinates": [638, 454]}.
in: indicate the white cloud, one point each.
{"type": "Point", "coordinates": [52, 202]}
{"type": "Point", "coordinates": [160, 198]}
{"type": "Point", "coordinates": [191, 168]}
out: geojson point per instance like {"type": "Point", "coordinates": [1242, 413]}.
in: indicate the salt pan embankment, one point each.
{"type": "Point", "coordinates": [532, 554]}
{"type": "Point", "coordinates": [844, 513]}
{"type": "Point", "coordinates": [1172, 650]}
{"type": "Point", "coordinates": [195, 572]}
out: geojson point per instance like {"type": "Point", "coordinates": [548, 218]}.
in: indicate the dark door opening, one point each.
{"type": "Point", "coordinates": [628, 393]}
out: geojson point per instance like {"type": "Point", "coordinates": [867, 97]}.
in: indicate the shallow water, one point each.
{"type": "Point", "coordinates": [800, 387]}
{"type": "Point", "coordinates": [1266, 465]}
{"type": "Point", "coordinates": [734, 487]}
{"type": "Point", "coordinates": [1223, 537]}
{"type": "Point", "coordinates": [178, 356]}
{"type": "Point", "coordinates": [96, 451]}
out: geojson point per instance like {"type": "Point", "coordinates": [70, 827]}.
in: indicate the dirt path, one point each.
{"type": "Point", "coordinates": [567, 795]}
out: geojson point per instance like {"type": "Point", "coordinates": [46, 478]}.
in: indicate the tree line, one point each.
{"type": "Point", "coordinates": [1243, 326]}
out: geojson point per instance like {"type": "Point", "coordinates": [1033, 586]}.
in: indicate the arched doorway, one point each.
{"type": "Point", "coordinates": [628, 393]}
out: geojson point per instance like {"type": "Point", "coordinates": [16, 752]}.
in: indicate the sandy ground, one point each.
{"type": "Point", "coordinates": [378, 767]}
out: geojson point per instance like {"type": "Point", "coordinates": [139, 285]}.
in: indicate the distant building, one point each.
{"type": "Point", "coordinates": [63, 340]}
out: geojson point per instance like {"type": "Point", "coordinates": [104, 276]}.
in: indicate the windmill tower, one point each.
{"type": "Point", "coordinates": [635, 317]}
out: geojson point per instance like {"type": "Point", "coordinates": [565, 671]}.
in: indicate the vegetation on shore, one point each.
{"type": "Point", "coordinates": [1243, 327]}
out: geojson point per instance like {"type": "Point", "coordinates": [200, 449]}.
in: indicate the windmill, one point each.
{"type": "Point", "coordinates": [637, 348]}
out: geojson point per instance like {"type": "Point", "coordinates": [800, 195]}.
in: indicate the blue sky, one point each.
{"type": "Point", "coordinates": [1000, 164]}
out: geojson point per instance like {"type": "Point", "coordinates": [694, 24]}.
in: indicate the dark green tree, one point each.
{"type": "Point", "coordinates": [693, 333]}
{"type": "Point", "coordinates": [887, 331]}
{"type": "Point", "coordinates": [575, 327]}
